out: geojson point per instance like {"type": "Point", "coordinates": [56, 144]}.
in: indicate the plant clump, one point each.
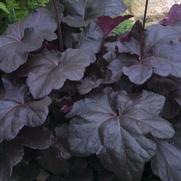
{"type": "Point", "coordinates": [79, 103]}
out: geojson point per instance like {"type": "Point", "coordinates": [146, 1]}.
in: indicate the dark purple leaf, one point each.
{"type": "Point", "coordinates": [25, 171]}
{"type": "Point", "coordinates": [35, 138]}
{"type": "Point", "coordinates": [166, 163]}
{"type": "Point", "coordinates": [138, 73]}
{"type": "Point", "coordinates": [50, 70]}
{"type": "Point", "coordinates": [161, 85]}
{"type": "Point", "coordinates": [176, 139]}
{"type": "Point", "coordinates": [164, 62]}
{"type": "Point", "coordinates": [116, 71]}
{"type": "Point", "coordinates": [171, 108]}
{"type": "Point", "coordinates": [91, 39]}
{"type": "Point", "coordinates": [116, 65]}
{"type": "Point", "coordinates": [62, 141]}
{"type": "Point", "coordinates": [78, 171]}
{"type": "Point", "coordinates": [100, 128]}
{"type": "Point", "coordinates": [11, 154]}
{"type": "Point", "coordinates": [16, 112]}
{"type": "Point", "coordinates": [81, 12]}
{"type": "Point", "coordinates": [132, 47]}
{"type": "Point", "coordinates": [167, 59]}
{"type": "Point", "coordinates": [51, 161]}
{"type": "Point", "coordinates": [87, 84]}
{"type": "Point", "coordinates": [157, 33]}
{"type": "Point", "coordinates": [24, 37]}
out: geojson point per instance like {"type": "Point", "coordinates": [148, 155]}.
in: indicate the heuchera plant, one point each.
{"type": "Point", "coordinates": [79, 104]}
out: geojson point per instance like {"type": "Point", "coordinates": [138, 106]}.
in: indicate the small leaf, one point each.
{"type": "Point", "coordinates": [138, 73]}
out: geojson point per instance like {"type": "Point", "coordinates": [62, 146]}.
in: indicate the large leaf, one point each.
{"type": "Point", "coordinates": [166, 163]}
{"type": "Point", "coordinates": [50, 70]}
{"type": "Point", "coordinates": [114, 126]}
{"type": "Point", "coordinates": [122, 148]}
{"type": "Point", "coordinates": [11, 154]}
{"type": "Point", "coordinates": [165, 61]}
{"type": "Point", "coordinates": [138, 73]}
{"type": "Point", "coordinates": [16, 112]}
{"type": "Point", "coordinates": [24, 37]}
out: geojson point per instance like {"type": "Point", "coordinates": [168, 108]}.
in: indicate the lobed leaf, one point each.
{"type": "Point", "coordinates": [16, 112]}
{"type": "Point", "coordinates": [114, 127]}
{"type": "Point", "coordinates": [50, 70]}
{"type": "Point", "coordinates": [24, 37]}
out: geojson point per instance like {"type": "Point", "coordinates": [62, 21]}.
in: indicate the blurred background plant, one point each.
{"type": "Point", "coordinates": [13, 10]}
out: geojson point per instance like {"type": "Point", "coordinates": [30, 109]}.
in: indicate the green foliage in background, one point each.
{"type": "Point", "coordinates": [127, 2]}
{"type": "Point", "coordinates": [123, 27]}
{"type": "Point", "coordinates": [13, 10]}
{"type": "Point", "coordinates": [3, 7]}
